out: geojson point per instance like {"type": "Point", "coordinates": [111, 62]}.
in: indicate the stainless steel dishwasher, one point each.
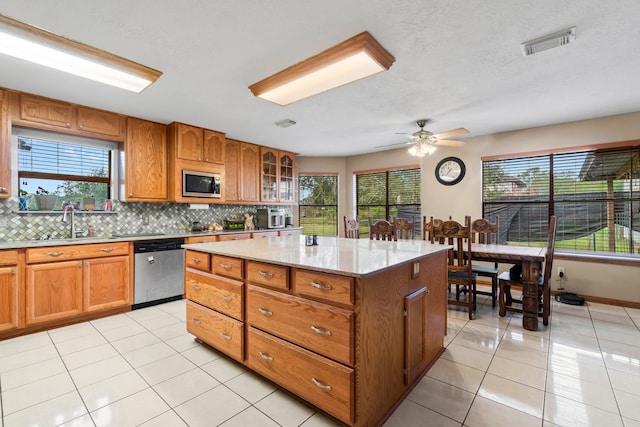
{"type": "Point", "coordinates": [158, 271]}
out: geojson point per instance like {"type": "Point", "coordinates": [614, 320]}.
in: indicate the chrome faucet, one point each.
{"type": "Point", "coordinates": [73, 218]}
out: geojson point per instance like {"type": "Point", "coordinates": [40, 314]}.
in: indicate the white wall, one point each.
{"type": "Point", "coordinates": [586, 278]}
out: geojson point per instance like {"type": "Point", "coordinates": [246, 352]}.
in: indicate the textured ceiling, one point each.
{"type": "Point", "coordinates": [458, 63]}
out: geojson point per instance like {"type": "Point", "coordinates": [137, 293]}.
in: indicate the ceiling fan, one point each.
{"type": "Point", "coordinates": [424, 142]}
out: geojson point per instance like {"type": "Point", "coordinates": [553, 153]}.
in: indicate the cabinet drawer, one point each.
{"type": "Point", "coordinates": [263, 234]}
{"type": "Point", "coordinates": [276, 276]}
{"type": "Point", "coordinates": [227, 266]}
{"type": "Point", "coordinates": [198, 260]}
{"type": "Point", "coordinates": [217, 330]}
{"type": "Point", "coordinates": [218, 293]}
{"type": "Point", "coordinates": [201, 239]}
{"type": "Point", "coordinates": [8, 257]}
{"type": "Point", "coordinates": [325, 383]}
{"type": "Point", "coordinates": [64, 253]}
{"type": "Point", "coordinates": [234, 236]}
{"type": "Point", "coordinates": [290, 232]}
{"type": "Point", "coordinates": [329, 287]}
{"type": "Point", "coordinates": [319, 327]}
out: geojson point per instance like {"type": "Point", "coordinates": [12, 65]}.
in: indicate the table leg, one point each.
{"type": "Point", "coordinates": [530, 272]}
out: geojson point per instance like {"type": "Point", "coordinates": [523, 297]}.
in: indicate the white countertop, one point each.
{"type": "Point", "coordinates": [351, 257]}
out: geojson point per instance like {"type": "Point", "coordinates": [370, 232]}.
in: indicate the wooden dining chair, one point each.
{"type": "Point", "coordinates": [381, 230]}
{"type": "Point", "coordinates": [428, 227]}
{"type": "Point", "coordinates": [352, 228]}
{"type": "Point", "coordinates": [459, 266]}
{"type": "Point", "coordinates": [485, 231]}
{"type": "Point", "coordinates": [405, 229]}
{"type": "Point", "coordinates": [505, 283]}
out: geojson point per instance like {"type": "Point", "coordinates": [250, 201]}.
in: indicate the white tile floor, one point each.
{"type": "Point", "coordinates": [142, 368]}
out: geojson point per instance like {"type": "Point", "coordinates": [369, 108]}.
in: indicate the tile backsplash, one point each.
{"type": "Point", "coordinates": [126, 217]}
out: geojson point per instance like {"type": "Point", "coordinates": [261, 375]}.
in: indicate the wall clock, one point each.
{"type": "Point", "coordinates": [450, 171]}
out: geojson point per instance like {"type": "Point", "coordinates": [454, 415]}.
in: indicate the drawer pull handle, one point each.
{"type": "Point", "coordinates": [196, 321]}
{"type": "Point", "coordinates": [195, 260]}
{"type": "Point", "coordinates": [107, 250]}
{"type": "Point", "coordinates": [265, 356]}
{"type": "Point", "coordinates": [226, 297]}
{"type": "Point", "coordinates": [265, 274]}
{"type": "Point", "coordinates": [196, 287]}
{"type": "Point", "coordinates": [13, 271]}
{"type": "Point", "coordinates": [319, 384]}
{"type": "Point", "coordinates": [55, 253]}
{"type": "Point", "coordinates": [320, 331]}
{"type": "Point", "coordinates": [225, 266]}
{"type": "Point", "coordinates": [265, 312]}
{"type": "Point", "coordinates": [320, 286]}
{"type": "Point", "coordinates": [225, 336]}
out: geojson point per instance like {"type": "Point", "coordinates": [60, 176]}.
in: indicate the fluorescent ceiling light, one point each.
{"type": "Point", "coordinates": [360, 56]}
{"type": "Point", "coordinates": [42, 47]}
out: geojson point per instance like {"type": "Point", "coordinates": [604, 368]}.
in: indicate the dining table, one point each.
{"type": "Point", "coordinates": [531, 259]}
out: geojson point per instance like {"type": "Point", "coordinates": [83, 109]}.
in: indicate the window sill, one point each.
{"type": "Point", "coordinates": [602, 258]}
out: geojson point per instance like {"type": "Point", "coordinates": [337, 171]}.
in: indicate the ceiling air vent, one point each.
{"type": "Point", "coordinates": [285, 123]}
{"type": "Point", "coordinates": [549, 41]}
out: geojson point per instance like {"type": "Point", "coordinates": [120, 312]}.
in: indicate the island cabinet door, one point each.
{"type": "Point", "coordinates": [319, 327]}
{"type": "Point", "coordinates": [415, 361]}
{"type": "Point", "coordinates": [323, 382]}
{"type": "Point", "coordinates": [53, 291]}
{"type": "Point", "coordinates": [219, 331]}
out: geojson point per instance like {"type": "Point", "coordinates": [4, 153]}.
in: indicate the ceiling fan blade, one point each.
{"type": "Point", "coordinates": [450, 142]}
{"type": "Point", "coordinates": [450, 133]}
{"type": "Point", "coordinates": [397, 143]}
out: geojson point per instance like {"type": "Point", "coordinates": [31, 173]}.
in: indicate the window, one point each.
{"type": "Point", "coordinates": [68, 167]}
{"type": "Point", "coordinates": [595, 196]}
{"type": "Point", "coordinates": [318, 196]}
{"type": "Point", "coordinates": [387, 195]}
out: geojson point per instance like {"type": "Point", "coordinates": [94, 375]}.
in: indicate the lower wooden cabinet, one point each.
{"type": "Point", "coordinates": [321, 381]}
{"type": "Point", "coordinates": [106, 283]}
{"type": "Point", "coordinates": [9, 298]}
{"type": "Point", "coordinates": [53, 291]}
{"type": "Point", "coordinates": [216, 329]}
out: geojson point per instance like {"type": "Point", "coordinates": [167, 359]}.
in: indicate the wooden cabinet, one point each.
{"type": "Point", "coordinates": [64, 281]}
{"type": "Point", "coordinates": [9, 298]}
{"type": "Point", "coordinates": [276, 182]}
{"type": "Point", "coordinates": [106, 283]}
{"type": "Point", "coordinates": [233, 236]}
{"type": "Point", "coordinates": [39, 112]}
{"type": "Point", "coordinates": [197, 144]}
{"type": "Point", "coordinates": [242, 171]}
{"type": "Point", "coordinates": [201, 239]}
{"type": "Point", "coordinates": [414, 331]}
{"type": "Point", "coordinates": [5, 145]}
{"type": "Point", "coordinates": [145, 161]}
{"type": "Point", "coordinates": [249, 172]}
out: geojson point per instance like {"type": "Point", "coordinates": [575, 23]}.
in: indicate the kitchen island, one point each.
{"type": "Point", "coordinates": [349, 325]}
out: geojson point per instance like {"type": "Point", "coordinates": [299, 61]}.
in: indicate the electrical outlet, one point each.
{"type": "Point", "coordinates": [561, 272]}
{"type": "Point", "coordinates": [145, 219]}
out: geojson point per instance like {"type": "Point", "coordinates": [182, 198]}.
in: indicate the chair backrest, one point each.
{"type": "Point", "coordinates": [381, 230]}
{"type": "Point", "coordinates": [352, 228]}
{"type": "Point", "coordinates": [429, 227]}
{"type": "Point", "coordinates": [404, 229]}
{"type": "Point", "coordinates": [551, 245]}
{"type": "Point", "coordinates": [453, 233]}
{"type": "Point", "coordinates": [484, 231]}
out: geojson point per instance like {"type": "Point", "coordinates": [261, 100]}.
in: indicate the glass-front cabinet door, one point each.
{"type": "Point", "coordinates": [286, 177]}
{"type": "Point", "coordinates": [269, 175]}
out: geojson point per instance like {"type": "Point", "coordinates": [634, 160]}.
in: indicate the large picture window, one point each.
{"type": "Point", "coordinates": [71, 168]}
{"type": "Point", "coordinates": [595, 196]}
{"type": "Point", "coordinates": [318, 202]}
{"type": "Point", "coordinates": [386, 195]}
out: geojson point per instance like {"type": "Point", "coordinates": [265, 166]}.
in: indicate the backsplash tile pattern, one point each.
{"type": "Point", "coordinates": [126, 218]}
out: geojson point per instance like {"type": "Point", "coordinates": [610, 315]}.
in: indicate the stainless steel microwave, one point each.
{"type": "Point", "coordinates": [201, 184]}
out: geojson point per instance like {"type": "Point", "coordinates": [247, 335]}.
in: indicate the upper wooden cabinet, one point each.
{"type": "Point", "coordinates": [44, 113]}
{"type": "Point", "coordinates": [277, 183]}
{"type": "Point", "coordinates": [197, 144]}
{"type": "Point", "coordinates": [145, 161]}
{"type": "Point", "coordinates": [5, 146]}
{"type": "Point", "coordinates": [242, 169]}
